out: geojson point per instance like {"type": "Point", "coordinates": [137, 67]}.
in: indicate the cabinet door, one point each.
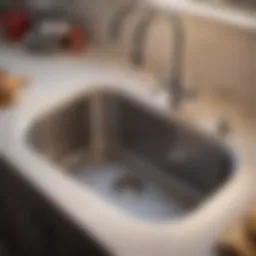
{"type": "Point", "coordinates": [21, 232]}
{"type": "Point", "coordinates": [32, 225]}
{"type": "Point", "coordinates": [62, 237]}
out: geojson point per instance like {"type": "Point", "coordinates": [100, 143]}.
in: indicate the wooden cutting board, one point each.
{"type": "Point", "coordinates": [240, 239]}
{"type": "Point", "coordinates": [10, 86]}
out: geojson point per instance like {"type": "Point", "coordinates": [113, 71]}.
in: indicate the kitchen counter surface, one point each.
{"type": "Point", "coordinates": [53, 80]}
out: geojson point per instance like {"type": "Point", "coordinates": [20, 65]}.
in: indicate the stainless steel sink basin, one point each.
{"type": "Point", "coordinates": [151, 167]}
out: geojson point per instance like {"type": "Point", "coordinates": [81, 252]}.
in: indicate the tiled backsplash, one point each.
{"type": "Point", "coordinates": [217, 55]}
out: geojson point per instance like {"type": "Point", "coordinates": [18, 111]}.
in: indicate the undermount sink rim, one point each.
{"type": "Point", "coordinates": [161, 112]}
{"type": "Point", "coordinates": [191, 229]}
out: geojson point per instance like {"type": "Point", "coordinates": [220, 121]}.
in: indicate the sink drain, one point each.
{"type": "Point", "coordinates": [128, 183]}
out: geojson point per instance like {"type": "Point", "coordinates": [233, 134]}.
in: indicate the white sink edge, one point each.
{"type": "Point", "coordinates": [102, 220]}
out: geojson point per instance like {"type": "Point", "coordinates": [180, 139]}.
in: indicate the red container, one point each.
{"type": "Point", "coordinates": [16, 24]}
{"type": "Point", "coordinates": [76, 38]}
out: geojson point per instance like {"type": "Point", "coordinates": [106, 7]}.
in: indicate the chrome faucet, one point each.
{"type": "Point", "coordinates": [173, 84]}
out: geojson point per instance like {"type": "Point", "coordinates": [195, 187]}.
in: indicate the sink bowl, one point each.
{"type": "Point", "coordinates": [151, 167]}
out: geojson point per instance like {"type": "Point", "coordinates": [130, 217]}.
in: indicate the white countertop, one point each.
{"type": "Point", "coordinates": [53, 80]}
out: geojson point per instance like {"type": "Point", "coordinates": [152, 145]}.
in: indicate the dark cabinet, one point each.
{"type": "Point", "coordinates": [31, 225]}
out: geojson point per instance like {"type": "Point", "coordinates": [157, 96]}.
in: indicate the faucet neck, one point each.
{"type": "Point", "coordinates": [174, 83]}
{"type": "Point", "coordinates": [140, 38]}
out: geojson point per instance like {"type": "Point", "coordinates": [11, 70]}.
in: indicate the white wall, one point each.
{"type": "Point", "coordinates": [91, 13]}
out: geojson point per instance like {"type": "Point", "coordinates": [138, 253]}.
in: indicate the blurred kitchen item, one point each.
{"type": "Point", "coordinates": [52, 32]}
{"type": "Point", "coordinates": [16, 24]}
{"type": "Point", "coordinates": [235, 242]}
{"type": "Point", "coordinates": [75, 39]}
{"type": "Point", "coordinates": [10, 86]}
{"type": "Point", "coordinates": [47, 33]}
